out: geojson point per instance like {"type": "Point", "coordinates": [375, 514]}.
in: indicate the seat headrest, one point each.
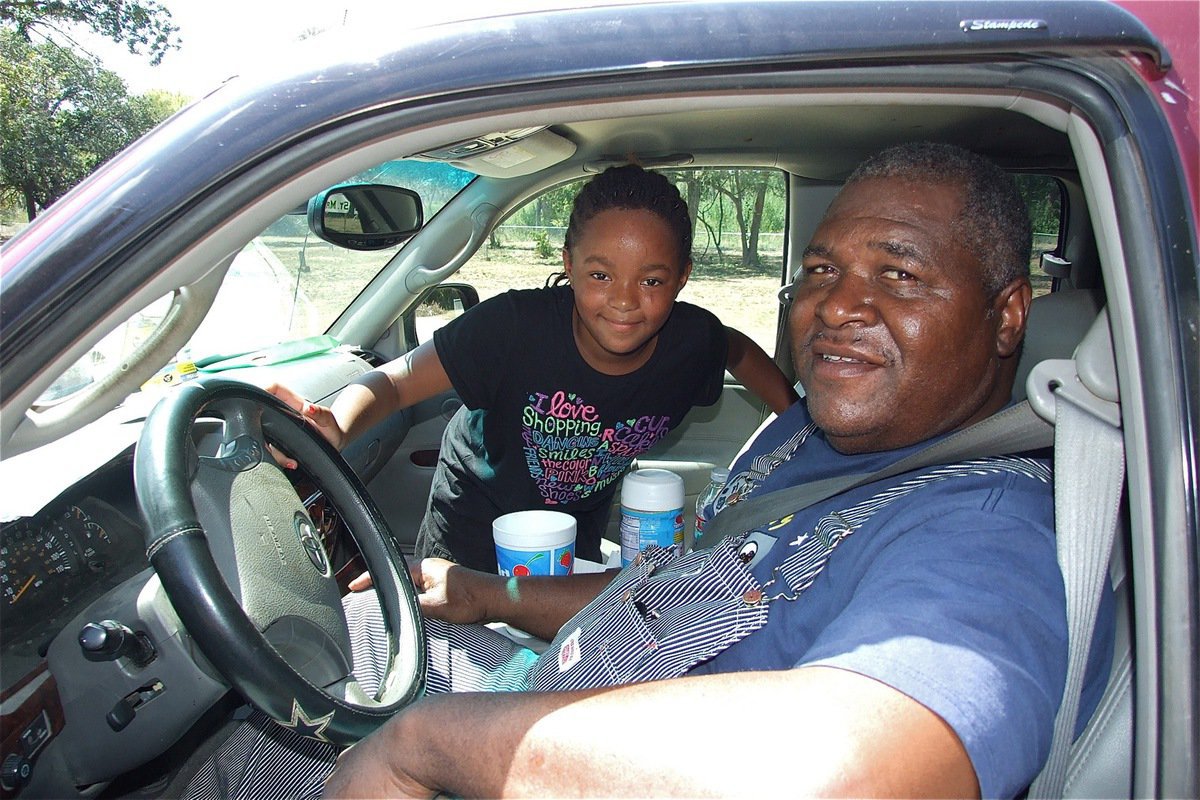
{"type": "Point", "coordinates": [1088, 379]}
{"type": "Point", "coordinates": [1056, 325]}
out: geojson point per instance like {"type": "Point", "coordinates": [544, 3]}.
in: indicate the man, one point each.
{"type": "Point", "coordinates": [904, 638]}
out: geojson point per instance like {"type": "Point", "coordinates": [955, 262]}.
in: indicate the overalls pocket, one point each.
{"type": "Point", "coordinates": [661, 616]}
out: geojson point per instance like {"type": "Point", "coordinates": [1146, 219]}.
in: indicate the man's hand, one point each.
{"type": "Point", "coordinates": [367, 771]}
{"type": "Point", "coordinates": [361, 583]}
{"type": "Point", "coordinates": [536, 604]}
{"type": "Point", "coordinates": [450, 592]}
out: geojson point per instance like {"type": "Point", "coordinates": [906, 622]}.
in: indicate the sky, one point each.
{"type": "Point", "coordinates": [220, 38]}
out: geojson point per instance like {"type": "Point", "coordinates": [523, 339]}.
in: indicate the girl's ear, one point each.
{"type": "Point", "coordinates": [566, 257]}
{"type": "Point", "coordinates": [685, 273]}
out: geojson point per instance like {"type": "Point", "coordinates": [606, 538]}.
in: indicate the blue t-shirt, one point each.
{"type": "Point", "coordinates": [951, 594]}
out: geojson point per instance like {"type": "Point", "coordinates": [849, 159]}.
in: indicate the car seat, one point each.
{"type": "Point", "coordinates": [1056, 325]}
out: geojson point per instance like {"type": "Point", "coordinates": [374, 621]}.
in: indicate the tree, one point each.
{"type": "Point", "coordinates": [746, 191]}
{"type": "Point", "coordinates": [61, 116]}
{"type": "Point", "coordinates": [137, 23]}
{"type": "Point", "coordinates": [1043, 198]}
{"type": "Point", "coordinates": [752, 195]}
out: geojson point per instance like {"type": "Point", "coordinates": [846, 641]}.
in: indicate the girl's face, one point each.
{"type": "Point", "coordinates": [626, 271]}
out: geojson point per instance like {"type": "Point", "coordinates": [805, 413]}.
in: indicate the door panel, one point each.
{"type": "Point", "coordinates": [401, 488]}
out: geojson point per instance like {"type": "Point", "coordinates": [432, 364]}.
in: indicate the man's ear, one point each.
{"type": "Point", "coordinates": [1011, 309]}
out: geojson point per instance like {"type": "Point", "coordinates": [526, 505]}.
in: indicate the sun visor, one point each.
{"type": "Point", "coordinates": [505, 154]}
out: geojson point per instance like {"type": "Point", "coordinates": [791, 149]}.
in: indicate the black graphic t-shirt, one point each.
{"type": "Point", "coordinates": [541, 428]}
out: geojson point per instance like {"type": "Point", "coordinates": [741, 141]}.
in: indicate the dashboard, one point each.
{"type": "Point", "coordinates": [76, 716]}
{"type": "Point", "coordinates": [57, 562]}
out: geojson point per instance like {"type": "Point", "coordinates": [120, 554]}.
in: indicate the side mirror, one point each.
{"type": "Point", "coordinates": [365, 216]}
{"type": "Point", "coordinates": [436, 306]}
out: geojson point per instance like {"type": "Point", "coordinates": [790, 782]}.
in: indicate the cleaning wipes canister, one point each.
{"type": "Point", "coordinates": [651, 512]}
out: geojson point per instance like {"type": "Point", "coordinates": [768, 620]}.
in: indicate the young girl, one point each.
{"type": "Point", "coordinates": [563, 386]}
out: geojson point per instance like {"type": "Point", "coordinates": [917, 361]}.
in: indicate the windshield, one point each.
{"type": "Point", "coordinates": [285, 284]}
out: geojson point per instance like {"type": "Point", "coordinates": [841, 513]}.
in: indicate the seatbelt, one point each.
{"type": "Point", "coordinates": [1089, 471]}
{"type": "Point", "coordinates": [1016, 429]}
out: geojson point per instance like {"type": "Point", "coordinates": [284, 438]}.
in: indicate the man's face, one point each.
{"type": "Point", "coordinates": [891, 331]}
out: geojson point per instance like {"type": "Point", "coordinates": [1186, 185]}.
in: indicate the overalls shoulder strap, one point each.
{"type": "Point", "coordinates": [1016, 429]}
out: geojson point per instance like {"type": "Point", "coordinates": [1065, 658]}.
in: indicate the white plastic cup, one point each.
{"type": "Point", "coordinates": [535, 542]}
{"type": "Point", "coordinates": [651, 512]}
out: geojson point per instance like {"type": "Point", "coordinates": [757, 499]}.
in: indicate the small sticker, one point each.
{"type": "Point", "coordinates": [754, 547]}
{"type": "Point", "coordinates": [568, 652]}
{"type": "Point", "coordinates": [508, 157]}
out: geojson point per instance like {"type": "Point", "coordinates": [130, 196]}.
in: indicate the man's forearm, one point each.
{"type": "Point", "coordinates": [856, 737]}
{"type": "Point", "coordinates": [476, 745]}
{"type": "Point", "coordinates": [541, 605]}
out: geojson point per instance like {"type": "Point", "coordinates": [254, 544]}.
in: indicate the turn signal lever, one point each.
{"type": "Point", "coordinates": [109, 640]}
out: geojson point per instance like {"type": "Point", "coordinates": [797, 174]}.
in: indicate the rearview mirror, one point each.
{"type": "Point", "coordinates": [365, 216]}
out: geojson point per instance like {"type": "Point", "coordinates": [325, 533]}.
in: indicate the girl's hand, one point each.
{"type": "Point", "coordinates": [320, 417]}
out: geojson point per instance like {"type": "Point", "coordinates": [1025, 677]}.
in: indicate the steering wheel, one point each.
{"type": "Point", "coordinates": [246, 571]}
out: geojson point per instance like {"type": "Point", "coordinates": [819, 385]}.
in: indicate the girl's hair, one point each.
{"type": "Point", "coordinates": [629, 188]}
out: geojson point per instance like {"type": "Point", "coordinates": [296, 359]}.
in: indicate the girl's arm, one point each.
{"type": "Point", "coordinates": [758, 373]}
{"type": "Point", "coordinates": [371, 398]}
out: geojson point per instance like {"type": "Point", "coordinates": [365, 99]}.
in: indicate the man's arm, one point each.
{"type": "Point", "coordinates": [535, 604]}
{"type": "Point", "coordinates": [758, 373]}
{"type": "Point", "coordinates": [813, 731]}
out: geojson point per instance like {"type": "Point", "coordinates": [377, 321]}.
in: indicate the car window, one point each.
{"type": "Point", "coordinates": [1044, 198]}
{"type": "Point", "coordinates": [740, 216]}
{"type": "Point", "coordinates": [285, 284]}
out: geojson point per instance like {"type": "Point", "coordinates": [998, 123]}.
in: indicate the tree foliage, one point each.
{"type": "Point", "coordinates": [749, 201]}
{"type": "Point", "coordinates": [139, 24]}
{"type": "Point", "coordinates": [61, 116]}
{"type": "Point", "coordinates": [1043, 197]}
{"type": "Point", "coordinates": [720, 201]}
